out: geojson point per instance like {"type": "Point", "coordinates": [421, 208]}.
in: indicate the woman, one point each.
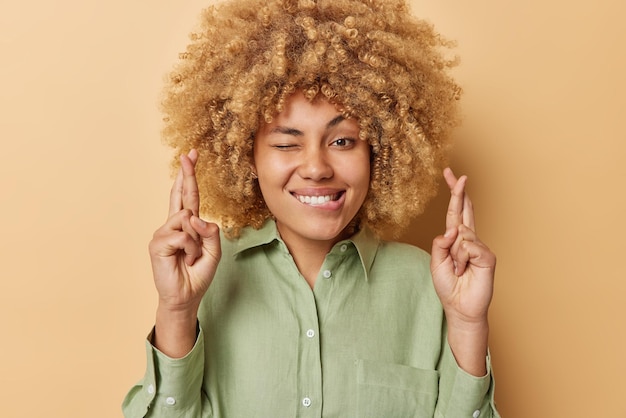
{"type": "Point", "coordinates": [307, 129]}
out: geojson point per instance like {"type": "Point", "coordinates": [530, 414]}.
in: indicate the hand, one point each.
{"type": "Point", "coordinates": [185, 251]}
{"type": "Point", "coordinates": [462, 266]}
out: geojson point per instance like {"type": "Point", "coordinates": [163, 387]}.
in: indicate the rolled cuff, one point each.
{"type": "Point", "coordinates": [168, 383]}
{"type": "Point", "coordinates": [462, 395]}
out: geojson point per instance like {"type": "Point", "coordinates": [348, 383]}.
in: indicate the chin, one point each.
{"type": "Point", "coordinates": [327, 232]}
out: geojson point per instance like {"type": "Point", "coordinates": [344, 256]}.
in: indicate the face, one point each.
{"type": "Point", "coordinates": [313, 170]}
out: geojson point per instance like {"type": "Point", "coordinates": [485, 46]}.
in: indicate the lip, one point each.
{"type": "Point", "coordinates": [337, 200]}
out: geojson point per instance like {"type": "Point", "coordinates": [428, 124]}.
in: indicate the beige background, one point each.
{"type": "Point", "coordinates": [85, 182]}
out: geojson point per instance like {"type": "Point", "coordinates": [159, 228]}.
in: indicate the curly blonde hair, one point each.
{"type": "Point", "coordinates": [370, 58]}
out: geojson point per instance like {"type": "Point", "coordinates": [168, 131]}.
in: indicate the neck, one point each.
{"type": "Point", "coordinates": [308, 254]}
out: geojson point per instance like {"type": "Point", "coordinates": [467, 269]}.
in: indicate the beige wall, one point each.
{"type": "Point", "coordinates": [85, 182]}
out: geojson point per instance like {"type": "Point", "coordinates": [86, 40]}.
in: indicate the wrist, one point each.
{"type": "Point", "coordinates": [468, 326]}
{"type": "Point", "coordinates": [175, 331]}
{"type": "Point", "coordinates": [469, 341]}
{"type": "Point", "coordinates": [179, 311]}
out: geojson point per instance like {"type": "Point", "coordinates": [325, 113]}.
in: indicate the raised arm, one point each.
{"type": "Point", "coordinates": [184, 252]}
{"type": "Point", "coordinates": [463, 273]}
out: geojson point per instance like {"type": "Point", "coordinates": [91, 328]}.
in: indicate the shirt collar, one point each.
{"type": "Point", "coordinates": [251, 237]}
{"type": "Point", "coordinates": [365, 242]}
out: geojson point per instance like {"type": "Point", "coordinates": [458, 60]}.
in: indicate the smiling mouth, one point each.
{"type": "Point", "coordinates": [318, 200]}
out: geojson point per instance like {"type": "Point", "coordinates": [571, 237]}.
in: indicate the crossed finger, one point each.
{"type": "Point", "coordinates": [460, 208]}
{"type": "Point", "coordinates": [184, 193]}
{"type": "Point", "coordinates": [184, 203]}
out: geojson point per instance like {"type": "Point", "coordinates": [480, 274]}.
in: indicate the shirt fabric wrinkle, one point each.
{"type": "Point", "coordinates": [368, 341]}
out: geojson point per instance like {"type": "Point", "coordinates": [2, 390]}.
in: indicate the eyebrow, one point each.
{"type": "Point", "coordinates": [296, 132]}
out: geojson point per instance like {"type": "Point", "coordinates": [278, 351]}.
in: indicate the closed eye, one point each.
{"type": "Point", "coordinates": [284, 147]}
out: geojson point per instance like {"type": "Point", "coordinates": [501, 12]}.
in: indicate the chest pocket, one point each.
{"type": "Point", "coordinates": [394, 390]}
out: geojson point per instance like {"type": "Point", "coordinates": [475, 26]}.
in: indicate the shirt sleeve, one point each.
{"type": "Point", "coordinates": [170, 387]}
{"type": "Point", "coordinates": [462, 395]}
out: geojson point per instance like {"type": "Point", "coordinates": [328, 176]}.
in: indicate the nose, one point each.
{"type": "Point", "coordinates": [315, 165]}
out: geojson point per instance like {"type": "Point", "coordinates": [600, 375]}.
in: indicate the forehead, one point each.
{"type": "Point", "coordinates": [302, 113]}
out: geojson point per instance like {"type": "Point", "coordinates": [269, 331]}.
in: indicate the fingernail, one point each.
{"type": "Point", "coordinates": [448, 232]}
{"type": "Point", "coordinates": [200, 222]}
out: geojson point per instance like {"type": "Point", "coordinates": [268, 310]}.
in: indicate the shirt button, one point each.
{"type": "Point", "coordinates": [306, 402]}
{"type": "Point", "coordinates": [343, 248]}
{"type": "Point", "coordinates": [327, 274]}
{"type": "Point", "coordinates": [476, 414]}
{"type": "Point", "coordinates": [310, 333]}
{"type": "Point", "coordinates": [170, 401]}
{"type": "Point", "coordinates": [151, 389]}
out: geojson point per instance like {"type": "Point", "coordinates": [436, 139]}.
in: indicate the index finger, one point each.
{"type": "Point", "coordinates": [468, 213]}
{"type": "Point", "coordinates": [190, 194]}
{"type": "Point", "coordinates": [176, 203]}
{"type": "Point", "coordinates": [454, 216]}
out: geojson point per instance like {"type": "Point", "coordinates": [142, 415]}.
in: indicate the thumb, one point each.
{"type": "Point", "coordinates": [441, 247]}
{"type": "Point", "coordinates": [209, 233]}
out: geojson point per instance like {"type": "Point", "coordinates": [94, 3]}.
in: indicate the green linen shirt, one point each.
{"type": "Point", "coordinates": [367, 341]}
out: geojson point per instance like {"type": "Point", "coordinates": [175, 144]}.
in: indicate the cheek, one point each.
{"type": "Point", "coordinates": [364, 166]}
{"type": "Point", "coordinates": [360, 178]}
{"type": "Point", "coordinates": [366, 180]}
{"type": "Point", "coordinates": [273, 176]}
{"type": "Point", "coordinates": [365, 183]}
{"type": "Point", "coordinates": [273, 170]}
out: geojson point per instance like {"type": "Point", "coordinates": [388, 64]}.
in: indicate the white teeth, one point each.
{"type": "Point", "coordinates": [315, 200]}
